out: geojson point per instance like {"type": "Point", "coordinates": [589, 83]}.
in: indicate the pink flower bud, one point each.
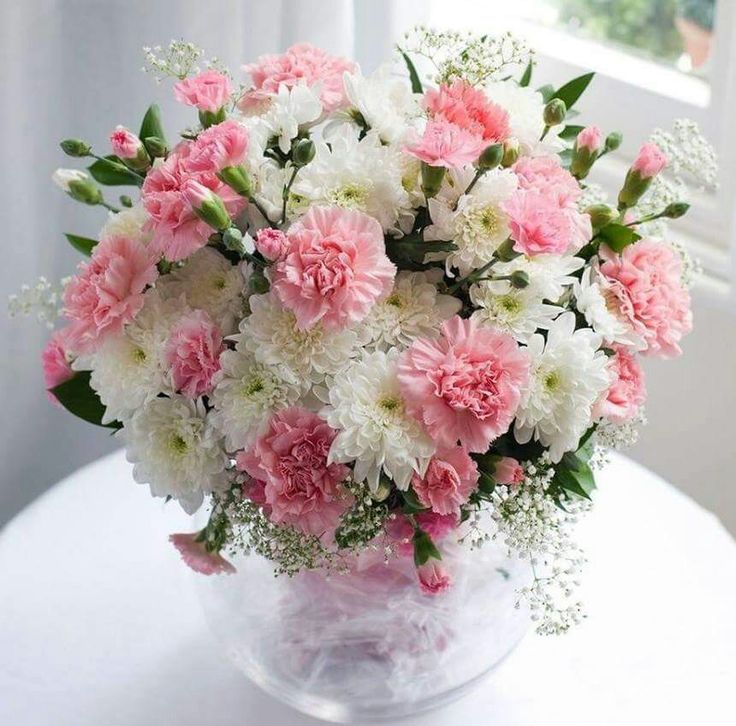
{"type": "Point", "coordinates": [209, 91]}
{"type": "Point", "coordinates": [125, 143]}
{"type": "Point", "coordinates": [195, 193]}
{"type": "Point", "coordinates": [271, 243]}
{"type": "Point", "coordinates": [433, 578]}
{"type": "Point", "coordinates": [649, 161]}
{"type": "Point", "coordinates": [590, 138]}
{"type": "Point", "coordinates": [508, 471]}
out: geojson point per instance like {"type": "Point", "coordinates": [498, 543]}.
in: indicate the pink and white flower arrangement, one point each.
{"type": "Point", "coordinates": [351, 336]}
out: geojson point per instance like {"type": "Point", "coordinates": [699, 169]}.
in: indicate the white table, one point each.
{"type": "Point", "coordinates": [98, 624]}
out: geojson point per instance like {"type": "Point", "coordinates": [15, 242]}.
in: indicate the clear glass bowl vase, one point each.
{"type": "Point", "coordinates": [369, 645]}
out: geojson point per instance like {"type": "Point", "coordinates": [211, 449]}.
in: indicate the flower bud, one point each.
{"type": "Point", "coordinates": [613, 141]}
{"type": "Point", "coordinates": [585, 151]}
{"type": "Point", "coordinates": [676, 210]}
{"type": "Point", "coordinates": [491, 157]}
{"type": "Point", "coordinates": [62, 177]}
{"type": "Point", "coordinates": [238, 179]}
{"type": "Point", "coordinates": [75, 147]}
{"type": "Point", "coordinates": [601, 215]}
{"type": "Point", "coordinates": [155, 146]}
{"type": "Point", "coordinates": [506, 252]}
{"type": "Point", "coordinates": [85, 191]}
{"type": "Point", "coordinates": [212, 118]}
{"type": "Point", "coordinates": [302, 152]}
{"type": "Point", "coordinates": [519, 279]}
{"type": "Point", "coordinates": [383, 491]}
{"type": "Point", "coordinates": [650, 161]}
{"type": "Point", "coordinates": [510, 153]}
{"type": "Point", "coordinates": [207, 205]}
{"type": "Point", "coordinates": [126, 201]}
{"type": "Point", "coordinates": [125, 144]}
{"type": "Point", "coordinates": [232, 238]}
{"type": "Point", "coordinates": [432, 177]}
{"type": "Point", "coordinates": [555, 112]}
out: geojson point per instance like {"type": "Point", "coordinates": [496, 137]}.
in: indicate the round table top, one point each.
{"type": "Point", "coordinates": [99, 624]}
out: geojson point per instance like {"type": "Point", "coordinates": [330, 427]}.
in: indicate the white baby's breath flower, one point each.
{"type": "Point", "coordinates": [366, 408]}
{"type": "Point", "coordinates": [246, 395]}
{"type": "Point", "coordinates": [271, 334]}
{"type": "Point", "coordinates": [128, 223]}
{"type": "Point", "coordinates": [414, 309]}
{"type": "Point", "coordinates": [568, 374]}
{"type": "Point", "coordinates": [63, 177]}
{"type": "Point", "coordinates": [360, 174]}
{"type": "Point", "coordinates": [175, 450]}
{"type": "Point", "coordinates": [209, 282]}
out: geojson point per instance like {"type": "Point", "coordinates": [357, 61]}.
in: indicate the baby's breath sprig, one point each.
{"type": "Point", "coordinates": [689, 152]}
{"type": "Point", "coordinates": [178, 60]}
{"type": "Point", "coordinates": [363, 522]}
{"type": "Point", "coordinates": [44, 299]}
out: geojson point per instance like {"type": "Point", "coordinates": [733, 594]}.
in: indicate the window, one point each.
{"type": "Point", "coordinates": [656, 60]}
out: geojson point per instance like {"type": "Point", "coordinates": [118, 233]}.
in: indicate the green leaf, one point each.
{"type": "Point", "coordinates": [566, 158]}
{"type": "Point", "coordinates": [570, 132]}
{"type": "Point", "coordinates": [113, 173]}
{"type": "Point", "coordinates": [416, 83]}
{"type": "Point", "coordinates": [618, 236]}
{"type": "Point", "coordinates": [571, 91]}
{"type": "Point", "coordinates": [527, 75]}
{"type": "Point", "coordinates": [85, 245]}
{"type": "Point", "coordinates": [547, 91]}
{"type": "Point", "coordinates": [77, 397]}
{"type": "Point", "coordinates": [412, 505]}
{"type": "Point", "coordinates": [486, 483]}
{"type": "Point", "coordinates": [424, 548]}
{"type": "Point", "coordinates": [413, 249]}
{"type": "Point", "coordinates": [151, 125]}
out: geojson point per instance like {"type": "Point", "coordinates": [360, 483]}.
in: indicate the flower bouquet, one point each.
{"type": "Point", "coordinates": [385, 327]}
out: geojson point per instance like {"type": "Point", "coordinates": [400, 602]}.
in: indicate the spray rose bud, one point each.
{"type": "Point", "coordinates": [75, 147]}
{"type": "Point", "coordinates": [432, 177]}
{"type": "Point", "coordinates": [491, 157]}
{"type": "Point", "coordinates": [85, 191]}
{"type": "Point", "coordinates": [649, 162]}
{"type": "Point", "coordinates": [555, 112]}
{"type": "Point", "coordinates": [128, 147]}
{"type": "Point", "coordinates": [207, 205]}
{"type": "Point", "coordinates": [63, 177]}
{"type": "Point", "coordinates": [676, 210]}
{"type": "Point", "coordinates": [519, 279]}
{"type": "Point", "coordinates": [601, 215]}
{"type": "Point", "coordinates": [302, 152]}
{"type": "Point", "coordinates": [510, 153]}
{"type": "Point", "coordinates": [155, 146]}
{"type": "Point", "coordinates": [613, 140]}
{"type": "Point", "coordinates": [238, 179]}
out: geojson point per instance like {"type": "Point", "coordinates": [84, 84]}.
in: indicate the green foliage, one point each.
{"type": "Point", "coordinates": [151, 124]}
{"type": "Point", "coordinates": [77, 397]}
{"type": "Point", "coordinates": [424, 548]}
{"type": "Point", "coordinates": [112, 172]}
{"type": "Point", "coordinates": [408, 252]}
{"type": "Point", "coordinates": [618, 236]}
{"type": "Point", "coordinates": [573, 475]}
{"type": "Point", "coordinates": [572, 90]}
{"type": "Point", "coordinates": [85, 245]}
{"type": "Point", "coordinates": [526, 77]}
{"type": "Point", "coordinates": [416, 83]}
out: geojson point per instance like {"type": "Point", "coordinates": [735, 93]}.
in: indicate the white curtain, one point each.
{"type": "Point", "coordinates": [70, 68]}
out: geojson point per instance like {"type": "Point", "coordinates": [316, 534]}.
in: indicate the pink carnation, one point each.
{"type": "Point", "coordinates": [433, 578]}
{"type": "Point", "coordinates": [644, 284]}
{"type": "Point", "coordinates": [300, 487]}
{"type": "Point", "coordinates": [192, 353]}
{"type": "Point", "coordinates": [508, 471]}
{"type": "Point", "coordinates": [177, 231]}
{"type": "Point", "coordinates": [108, 291]}
{"type": "Point", "coordinates": [222, 145]}
{"type": "Point", "coordinates": [302, 64]}
{"type": "Point", "coordinates": [198, 557]}
{"type": "Point", "coordinates": [469, 109]}
{"type": "Point", "coordinates": [465, 385]}
{"type": "Point", "coordinates": [627, 393]}
{"type": "Point", "coordinates": [125, 144]}
{"type": "Point", "coordinates": [649, 161]}
{"type": "Point", "coordinates": [445, 144]}
{"type": "Point", "coordinates": [545, 175]}
{"type": "Point", "coordinates": [590, 138]}
{"type": "Point", "coordinates": [450, 478]}
{"type": "Point", "coordinates": [271, 243]}
{"type": "Point", "coordinates": [538, 224]}
{"type": "Point", "coordinates": [401, 531]}
{"type": "Point", "coordinates": [335, 268]}
{"type": "Point", "coordinates": [56, 362]}
{"type": "Point", "coordinates": [209, 91]}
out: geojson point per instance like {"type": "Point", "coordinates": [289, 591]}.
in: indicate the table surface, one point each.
{"type": "Point", "coordinates": [99, 624]}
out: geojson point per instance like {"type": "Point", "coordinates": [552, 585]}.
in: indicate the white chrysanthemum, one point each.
{"type": "Point", "coordinates": [590, 300]}
{"type": "Point", "coordinates": [270, 332]}
{"type": "Point", "coordinates": [289, 111]}
{"type": "Point", "coordinates": [475, 222]}
{"type": "Point", "coordinates": [568, 374]}
{"type": "Point", "coordinates": [525, 108]}
{"type": "Point", "coordinates": [246, 395]}
{"type": "Point", "coordinates": [357, 174]}
{"type": "Point", "coordinates": [549, 275]}
{"type": "Point", "coordinates": [366, 408]}
{"type": "Point", "coordinates": [128, 223]}
{"type": "Point", "coordinates": [385, 101]}
{"type": "Point", "coordinates": [414, 309]}
{"type": "Point", "coordinates": [210, 282]}
{"type": "Point", "coordinates": [518, 312]}
{"type": "Point", "coordinates": [175, 450]}
{"type": "Point", "coordinates": [270, 179]}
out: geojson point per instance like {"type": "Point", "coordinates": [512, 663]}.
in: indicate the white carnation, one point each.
{"type": "Point", "coordinates": [246, 395]}
{"type": "Point", "coordinates": [375, 431]}
{"type": "Point", "coordinates": [63, 177]}
{"type": "Point", "coordinates": [175, 450]}
{"type": "Point", "coordinates": [270, 332]}
{"type": "Point", "coordinates": [289, 111]}
{"type": "Point", "coordinates": [128, 223]}
{"type": "Point", "coordinates": [568, 374]}
{"type": "Point", "coordinates": [414, 309]}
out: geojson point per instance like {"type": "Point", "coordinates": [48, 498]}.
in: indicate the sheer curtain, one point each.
{"type": "Point", "coordinates": [70, 69]}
